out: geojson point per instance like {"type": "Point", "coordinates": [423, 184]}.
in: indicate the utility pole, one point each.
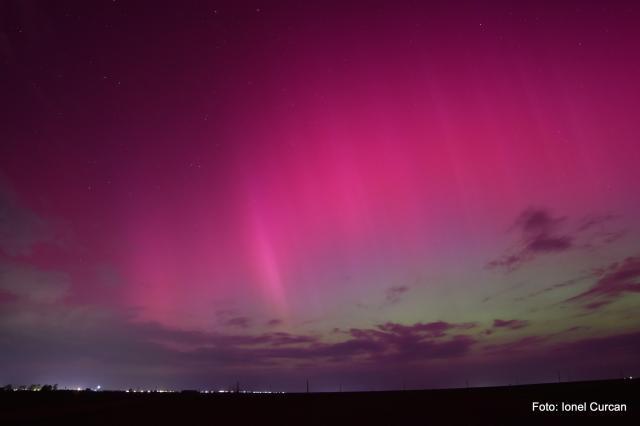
{"type": "Point", "coordinates": [307, 385]}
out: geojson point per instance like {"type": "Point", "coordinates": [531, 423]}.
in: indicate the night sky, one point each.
{"type": "Point", "coordinates": [373, 195]}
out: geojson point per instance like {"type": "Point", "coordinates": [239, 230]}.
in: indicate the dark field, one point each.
{"type": "Point", "coordinates": [460, 406]}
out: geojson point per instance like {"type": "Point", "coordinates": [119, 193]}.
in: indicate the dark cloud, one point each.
{"type": "Point", "coordinates": [614, 281]}
{"type": "Point", "coordinates": [431, 329]}
{"type": "Point", "coordinates": [85, 341]}
{"type": "Point", "coordinates": [274, 322]}
{"type": "Point", "coordinates": [565, 283]}
{"type": "Point", "coordinates": [386, 342]}
{"type": "Point", "coordinates": [594, 222]}
{"type": "Point", "coordinates": [239, 322]}
{"type": "Point", "coordinates": [522, 344]}
{"type": "Point", "coordinates": [598, 231]}
{"type": "Point", "coordinates": [597, 304]}
{"type": "Point", "coordinates": [611, 347]}
{"type": "Point", "coordinates": [394, 294]}
{"type": "Point", "coordinates": [20, 227]}
{"type": "Point", "coordinates": [63, 335]}
{"type": "Point", "coordinates": [540, 358]}
{"type": "Point", "coordinates": [513, 324]}
{"type": "Point", "coordinates": [549, 244]}
{"type": "Point", "coordinates": [535, 222]}
{"type": "Point", "coordinates": [540, 233]}
{"type": "Point", "coordinates": [509, 262]}
{"type": "Point", "coordinates": [26, 282]}
{"type": "Point", "coordinates": [576, 328]}
{"type": "Point", "coordinates": [419, 341]}
{"type": "Point", "coordinates": [224, 314]}
{"type": "Point", "coordinates": [504, 291]}
{"type": "Point", "coordinates": [100, 337]}
{"type": "Point", "coordinates": [616, 346]}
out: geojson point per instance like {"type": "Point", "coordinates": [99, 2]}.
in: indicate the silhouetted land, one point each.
{"type": "Point", "coordinates": [496, 405]}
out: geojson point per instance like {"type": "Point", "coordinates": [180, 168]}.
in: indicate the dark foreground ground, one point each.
{"type": "Point", "coordinates": [501, 405]}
